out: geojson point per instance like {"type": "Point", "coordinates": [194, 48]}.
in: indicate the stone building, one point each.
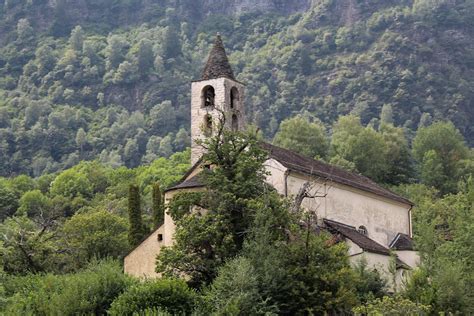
{"type": "Point", "coordinates": [373, 221]}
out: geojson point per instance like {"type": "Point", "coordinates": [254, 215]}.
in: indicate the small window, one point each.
{"type": "Point", "coordinates": [362, 230]}
{"type": "Point", "coordinates": [208, 96]}
{"type": "Point", "coordinates": [234, 97]}
{"type": "Point", "coordinates": [160, 237]}
{"type": "Point", "coordinates": [208, 125]}
{"type": "Point", "coordinates": [235, 123]}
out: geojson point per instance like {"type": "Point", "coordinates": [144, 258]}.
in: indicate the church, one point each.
{"type": "Point", "coordinates": [374, 222]}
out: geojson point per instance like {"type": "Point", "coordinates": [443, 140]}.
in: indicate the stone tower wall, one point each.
{"type": "Point", "coordinates": [222, 88]}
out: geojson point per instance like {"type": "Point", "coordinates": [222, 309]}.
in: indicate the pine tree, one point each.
{"type": "Point", "coordinates": [158, 211]}
{"type": "Point", "coordinates": [136, 231]}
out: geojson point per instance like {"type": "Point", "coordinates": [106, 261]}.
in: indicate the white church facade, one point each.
{"type": "Point", "coordinates": [374, 222]}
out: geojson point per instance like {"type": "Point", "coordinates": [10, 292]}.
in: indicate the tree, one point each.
{"type": "Point", "coordinates": [72, 183]}
{"type": "Point", "coordinates": [386, 115]}
{"type": "Point", "coordinates": [305, 137]}
{"type": "Point", "coordinates": [439, 148]}
{"type": "Point", "coordinates": [162, 118]}
{"type": "Point", "coordinates": [35, 204]}
{"type": "Point", "coordinates": [76, 40]}
{"type": "Point", "coordinates": [362, 146]}
{"type": "Point", "coordinates": [115, 51]}
{"type": "Point", "coordinates": [81, 139]}
{"type": "Point", "coordinates": [45, 59]}
{"type": "Point", "coordinates": [27, 247]}
{"type": "Point", "coordinates": [397, 155]}
{"type": "Point", "coordinates": [8, 201]}
{"type": "Point", "coordinates": [24, 30]}
{"type": "Point", "coordinates": [204, 241]}
{"type": "Point", "coordinates": [145, 57]}
{"type": "Point", "coordinates": [137, 230]}
{"type": "Point", "coordinates": [289, 269]}
{"type": "Point", "coordinates": [166, 146]}
{"type": "Point", "coordinates": [95, 234]}
{"type": "Point", "coordinates": [158, 206]}
{"type": "Point", "coordinates": [182, 140]}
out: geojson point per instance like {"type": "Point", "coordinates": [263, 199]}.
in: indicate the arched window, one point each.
{"type": "Point", "coordinates": [362, 230]}
{"type": "Point", "coordinates": [207, 125]}
{"type": "Point", "coordinates": [235, 123]}
{"type": "Point", "coordinates": [234, 97]}
{"type": "Point", "coordinates": [208, 96]}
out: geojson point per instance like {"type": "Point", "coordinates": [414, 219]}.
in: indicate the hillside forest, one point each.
{"type": "Point", "coordinates": [94, 127]}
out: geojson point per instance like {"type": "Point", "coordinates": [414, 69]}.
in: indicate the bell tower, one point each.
{"type": "Point", "coordinates": [217, 93]}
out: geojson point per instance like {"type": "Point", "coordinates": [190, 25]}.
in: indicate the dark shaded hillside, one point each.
{"type": "Point", "coordinates": [117, 88]}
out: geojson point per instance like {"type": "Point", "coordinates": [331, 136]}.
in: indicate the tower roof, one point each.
{"type": "Point", "coordinates": [218, 65]}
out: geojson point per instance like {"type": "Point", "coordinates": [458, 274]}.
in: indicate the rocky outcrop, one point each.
{"type": "Point", "coordinates": [235, 7]}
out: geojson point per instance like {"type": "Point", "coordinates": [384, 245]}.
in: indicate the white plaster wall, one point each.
{"type": "Point", "coordinates": [142, 260]}
{"type": "Point", "coordinates": [277, 176]}
{"type": "Point", "coordinates": [354, 249]}
{"type": "Point", "coordinates": [382, 217]}
{"type": "Point", "coordinates": [222, 88]}
{"type": "Point", "coordinates": [411, 258]}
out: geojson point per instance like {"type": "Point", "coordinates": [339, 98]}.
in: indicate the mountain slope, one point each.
{"type": "Point", "coordinates": [117, 89]}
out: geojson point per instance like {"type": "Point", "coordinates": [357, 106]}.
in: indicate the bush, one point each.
{"type": "Point", "coordinates": [88, 292]}
{"type": "Point", "coordinates": [393, 306]}
{"type": "Point", "coordinates": [166, 295]}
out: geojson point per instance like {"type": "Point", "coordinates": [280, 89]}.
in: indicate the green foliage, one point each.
{"type": "Point", "coordinates": [394, 306]}
{"type": "Point", "coordinates": [137, 229]}
{"type": "Point", "coordinates": [204, 241]}
{"type": "Point", "coordinates": [34, 203]}
{"type": "Point", "coordinates": [8, 201]}
{"type": "Point", "coordinates": [71, 184]}
{"type": "Point", "coordinates": [26, 247]}
{"type": "Point", "coordinates": [168, 295]}
{"type": "Point", "coordinates": [302, 136]}
{"type": "Point", "coordinates": [370, 283]}
{"type": "Point", "coordinates": [236, 291]}
{"type": "Point", "coordinates": [99, 71]}
{"type": "Point", "coordinates": [381, 155]}
{"type": "Point", "coordinates": [440, 148]}
{"type": "Point", "coordinates": [99, 234]}
{"type": "Point", "coordinates": [158, 206]}
{"type": "Point", "coordinates": [90, 291]}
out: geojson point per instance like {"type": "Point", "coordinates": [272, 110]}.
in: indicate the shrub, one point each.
{"type": "Point", "coordinates": [167, 295]}
{"type": "Point", "coordinates": [88, 292]}
{"type": "Point", "coordinates": [394, 306]}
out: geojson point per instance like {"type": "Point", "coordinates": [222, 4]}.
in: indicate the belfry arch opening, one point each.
{"type": "Point", "coordinates": [207, 125]}
{"type": "Point", "coordinates": [235, 123]}
{"type": "Point", "coordinates": [208, 96]}
{"type": "Point", "coordinates": [234, 97]}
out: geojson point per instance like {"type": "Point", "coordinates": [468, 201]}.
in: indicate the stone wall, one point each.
{"type": "Point", "coordinates": [222, 88]}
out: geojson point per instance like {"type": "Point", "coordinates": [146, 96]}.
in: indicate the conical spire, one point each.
{"type": "Point", "coordinates": [217, 64]}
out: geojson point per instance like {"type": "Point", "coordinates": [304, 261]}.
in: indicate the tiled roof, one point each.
{"type": "Point", "coordinates": [350, 232]}
{"type": "Point", "coordinates": [193, 182]}
{"type": "Point", "coordinates": [218, 65]}
{"type": "Point", "coordinates": [402, 242]}
{"type": "Point", "coordinates": [300, 163]}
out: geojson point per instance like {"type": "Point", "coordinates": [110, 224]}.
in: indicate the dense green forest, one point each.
{"type": "Point", "coordinates": [110, 79]}
{"type": "Point", "coordinates": [94, 126]}
{"type": "Point", "coordinates": [64, 230]}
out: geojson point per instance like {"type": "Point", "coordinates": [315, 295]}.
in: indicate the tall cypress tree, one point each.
{"type": "Point", "coordinates": [158, 210]}
{"type": "Point", "coordinates": [136, 231]}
